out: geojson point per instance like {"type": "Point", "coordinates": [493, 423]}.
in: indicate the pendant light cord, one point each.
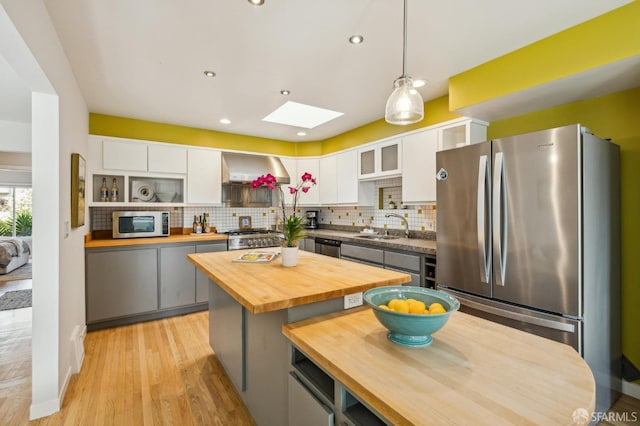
{"type": "Point", "coordinates": [404, 41]}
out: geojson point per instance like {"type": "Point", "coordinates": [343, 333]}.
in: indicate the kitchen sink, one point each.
{"type": "Point", "coordinates": [377, 237]}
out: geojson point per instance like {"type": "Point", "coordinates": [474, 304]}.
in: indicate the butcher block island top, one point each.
{"type": "Point", "coordinates": [266, 287]}
{"type": "Point", "coordinates": [474, 372]}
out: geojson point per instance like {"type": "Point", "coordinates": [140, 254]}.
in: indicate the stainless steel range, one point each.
{"type": "Point", "coordinates": [253, 238]}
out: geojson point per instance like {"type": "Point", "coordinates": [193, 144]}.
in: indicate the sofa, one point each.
{"type": "Point", "coordinates": [14, 252]}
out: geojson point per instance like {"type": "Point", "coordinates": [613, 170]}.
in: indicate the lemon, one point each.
{"type": "Point", "coordinates": [435, 305]}
{"type": "Point", "coordinates": [392, 304]}
{"type": "Point", "coordinates": [383, 307]}
{"type": "Point", "coordinates": [438, 309]}
{"type": "Point", "coordinates": [401, 306]}
{"type": "Point", "coordinates": [416, 306]}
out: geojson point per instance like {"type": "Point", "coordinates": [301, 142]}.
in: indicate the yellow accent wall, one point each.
{"type": "Point", "coordinates": [436, 111]}
{"type": "Point", "coordinates": [603, 40]}
{"type": "Point", "coordinates": [107, 125]}
{"type": "Point", "coordinates": [614, 116]}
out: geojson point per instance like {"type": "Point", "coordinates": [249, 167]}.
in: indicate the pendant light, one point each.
{"type": "Point", "coordinates": [405, 105]}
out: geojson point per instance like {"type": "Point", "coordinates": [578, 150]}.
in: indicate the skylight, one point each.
{"type": "Point", "coordinates": [301, 115]}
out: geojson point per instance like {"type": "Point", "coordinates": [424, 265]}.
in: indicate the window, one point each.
{"type": "Point", "coordinates": [15, 211]}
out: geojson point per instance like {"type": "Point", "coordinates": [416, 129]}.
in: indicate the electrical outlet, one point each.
{"type": "Point", "coordinates": [430, 225]}
{"type": "Point", "coordinates": [352, 300]}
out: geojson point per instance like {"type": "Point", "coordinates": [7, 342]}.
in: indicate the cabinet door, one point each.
{"type": "Point", "coordinates": [167, 159]}
{"type": "Point", "coordinates": [328, 180]}
{"type": "Point", "coordinates": [202, 281]}
{"type": "Point", "coordinates": [124, 155]}
{"type": "Point", "coordinates": [347, 177]}
{"type": "Point", "coordinates": [177, 277]}
{"type": "Point", "coordinates": [311, 165]}
{"type": "Point", "coordinates": [419, 167]}
{"type": "Point", "coordinates": [304, 407]}
{"type": "Point", "coordinates": [367, 162]}
{"type": "Point", "coordinates": [390, 157]}
{"type": "Point", "coordinates": [121, 283]}
{"type": "Point", "coordinates": [204, 180]}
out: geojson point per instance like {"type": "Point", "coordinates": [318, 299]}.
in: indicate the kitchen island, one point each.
{"type": "Point", "coordinates": [249, 303]}
{"type": "Point", "coordinates": [474, 372]}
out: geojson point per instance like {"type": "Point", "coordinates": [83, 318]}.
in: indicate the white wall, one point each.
{"type": "Point", "coordinates": [59, 128]}
{"type": "Point", "coordinates": [16, 137]}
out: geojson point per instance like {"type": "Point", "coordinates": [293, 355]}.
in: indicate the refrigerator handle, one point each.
{"type": "Point", "coordinates": [499, 223]}
{"type": "Point", "coordinates": [483, 253]}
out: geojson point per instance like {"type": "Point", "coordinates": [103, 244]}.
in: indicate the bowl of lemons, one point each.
{"type": "Point", "coordinates": [411, 314]}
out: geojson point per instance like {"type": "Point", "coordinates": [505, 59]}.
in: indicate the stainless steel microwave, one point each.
{"type": "Point", "coordinates": [140, 224]}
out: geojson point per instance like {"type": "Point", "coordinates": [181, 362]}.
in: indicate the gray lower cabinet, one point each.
{"type": "Point", "coordinates": [402, 262]}
{"type": "Point", "coordinates": [304, 408]}
{"type": "Point", "coordinates": [177, 277]}
{"type": "Point", "coordinates": [121, 283]}
{"type": "Point", "coordinates": [130, 284]}
{"type": "Point", "coordinates": [308, 244]}
{"type": "Point", "coordinates": [202, 281]}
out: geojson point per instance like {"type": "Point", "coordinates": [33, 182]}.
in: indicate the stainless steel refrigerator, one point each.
{"type": "Point", "coordinates": [528, 235]}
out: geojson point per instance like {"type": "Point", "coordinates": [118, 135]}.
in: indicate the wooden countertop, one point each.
{"type": "Point", "coordinates": [474, 372]}
{"type": "Point", "coordinates": [171, 239]}
{"type": "Point", "coordinates": [271, 287]}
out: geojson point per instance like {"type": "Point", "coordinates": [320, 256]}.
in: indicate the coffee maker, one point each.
{"type": "Point", "coordinates": [312, 219]}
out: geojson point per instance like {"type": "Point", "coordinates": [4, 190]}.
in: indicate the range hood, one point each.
{"type": "Point", "coordinates": [238, 170]}
{"type": "Point", "coordinates": [243, 168]}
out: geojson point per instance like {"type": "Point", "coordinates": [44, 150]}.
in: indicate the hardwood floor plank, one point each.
{"type": "Point", "coordinates": [156, 373]}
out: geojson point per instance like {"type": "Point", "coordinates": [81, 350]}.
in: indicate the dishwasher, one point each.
{"type": "Point", "coordinates": [328, 247]}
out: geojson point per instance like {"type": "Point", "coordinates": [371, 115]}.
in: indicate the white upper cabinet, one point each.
{"type": "Point", "coordinates": [204, 176]}
{"type": "Point", "coordinates": [347, 186]}
{"type": "Point", "coordinates": [124, 155]}
{"type": "Point", "coordinates": [310, 165]}
{"type": "Point", "coordinates": [419, 167]}
{"type": "Point", "coordinates": [380, 159]}
{"type": "Point", "coordinates": [329, 187]}
{"type": "Point", "coordinates": [167, 159]}
{"type": "Point", "coordinates": [461, 133]}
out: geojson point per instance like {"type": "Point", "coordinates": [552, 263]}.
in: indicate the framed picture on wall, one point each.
{"type": "Point", "coordinates": [78, 185]}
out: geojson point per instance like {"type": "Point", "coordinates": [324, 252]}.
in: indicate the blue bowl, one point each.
{"type": "Point", "coordinates": [412, 330]}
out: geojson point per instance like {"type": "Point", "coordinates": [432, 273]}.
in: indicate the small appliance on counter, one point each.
{"type": "Point", "coordinates": [312, 219]}
{"type": "Point", "coordinates": [140, 224]}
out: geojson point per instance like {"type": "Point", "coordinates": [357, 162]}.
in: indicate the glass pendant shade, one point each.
{"type": "Point", "coordinates": [405, 105]}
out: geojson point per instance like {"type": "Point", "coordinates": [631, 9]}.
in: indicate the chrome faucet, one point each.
{"type": "Point", "coordinates": [406, 224]}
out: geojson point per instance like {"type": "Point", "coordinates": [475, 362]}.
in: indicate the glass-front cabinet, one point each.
{"type": "Point", "coordinates": [381, 159]}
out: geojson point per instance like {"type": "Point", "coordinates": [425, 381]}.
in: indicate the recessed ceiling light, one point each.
{"type": "Point", "coordinates": [356, 39]}
{"type": "Point", "coordinates": [419, 83]}
{"type": "Point", "coordinates": [256, 2]}
{"type": "Point", "coordinates": [301, 115]}
{"type": "Point", "coordinates": [225, 121]}
{"type": "Point", "coordinates": [301, 133]}
{"type": "Point", "coordinates": [285, 92]}
{"type": "Point", "coordinates": [210, 73]}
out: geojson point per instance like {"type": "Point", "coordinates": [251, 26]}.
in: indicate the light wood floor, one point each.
{"type": "Point", "coordinates": [156, 373]}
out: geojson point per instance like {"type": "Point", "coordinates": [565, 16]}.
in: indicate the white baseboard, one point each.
{"type": "Point", "coordinates": [631, 389]}
{"type": "Point", "coordinates": [43, 409]}
{"type": "Point", "coordinates": [77, 347]}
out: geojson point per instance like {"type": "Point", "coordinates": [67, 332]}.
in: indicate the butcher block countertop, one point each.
{"type": "Point", "coordinates": [171, 239]}
{"type": "Point", "coordinates": [266, 287]}
{"type": "Point", "coordinates": [474, 372]}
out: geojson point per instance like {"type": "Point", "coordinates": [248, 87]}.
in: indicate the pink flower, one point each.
{"type": "Point", "coordinates": [307, 177]}
{"type": "Point", "coordinates": [292, 190]}
{"type": "Point", "coordinates": [305, 189]}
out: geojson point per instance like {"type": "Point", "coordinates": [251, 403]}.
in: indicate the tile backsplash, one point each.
{"type": "Point", "coordinates": [419, 218]}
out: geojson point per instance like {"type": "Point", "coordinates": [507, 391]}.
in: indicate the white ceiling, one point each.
{"type": "Point", "coordinates": [145, 58]}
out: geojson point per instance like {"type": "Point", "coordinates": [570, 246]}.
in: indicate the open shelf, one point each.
{"type": "Point", "coordinates": [314, 374]}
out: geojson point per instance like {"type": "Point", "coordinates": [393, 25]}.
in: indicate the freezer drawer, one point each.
{"type": "Point", "coordinates": [554, 327]}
